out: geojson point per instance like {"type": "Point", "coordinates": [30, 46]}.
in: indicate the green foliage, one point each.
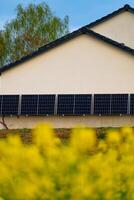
{"type": "Point", "coordinates": [3, 50]}
{"type": "Point", "coordinates": [32, 28]}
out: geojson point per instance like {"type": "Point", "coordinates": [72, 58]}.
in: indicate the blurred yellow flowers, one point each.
{"type": "Point", "coordinates": [83, 168]}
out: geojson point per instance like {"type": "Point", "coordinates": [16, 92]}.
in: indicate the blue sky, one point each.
{"type": "Point", "coordinates": [80, 12]}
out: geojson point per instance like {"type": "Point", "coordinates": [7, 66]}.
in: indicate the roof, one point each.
{"type": "Point", "coordinates": [83, 30]}
{"type": "Point", "coordinates": [109, 16]}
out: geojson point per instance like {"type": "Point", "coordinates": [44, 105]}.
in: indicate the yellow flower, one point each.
{"type": "Point", "coordinates": [83, 140]}
{"type": "Point", "coordinates": [102, 146]}
{"type": "Point", "coordinates": [127, 132]}
{"type": "Point", "coordinates": [113, 138]}
{"type": "Point", "coordinates": [82, 168]}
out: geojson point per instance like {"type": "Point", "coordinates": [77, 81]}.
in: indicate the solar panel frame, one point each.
{"type": "Point", "coordinates": [10, 105]}
{"type": "Point", "coordinates": [29, 105]}
{"type": "Point", "coordinates": [1, 97]}
{"type": "Point", "coordinates": [46, 104]}
{"type": "Point", "coordinates": [82, 104]}
{"type": "Point", "coordinates": [131, 104]}
{"type": "Point", "coordinates": [102, 104]}
{"type": "Point", "coordinates": [119, 104]}
{"type": "Point", "coordinates": [65, 105]}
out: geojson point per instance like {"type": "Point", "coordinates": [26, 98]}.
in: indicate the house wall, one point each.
{"type": "Point", "coordinates": [69, 122]}
{"type": "Point", "coordinates": [119, 28]}
{"type": "Point", "coordinates": [82, 65]}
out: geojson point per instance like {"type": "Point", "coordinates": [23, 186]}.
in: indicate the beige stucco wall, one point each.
{"type": "Point", "coordinates": [119, 28]}
{"type": "Point", "coordinates": [69, 122]}
{"type": "Point", "coordinates": [82, 65]}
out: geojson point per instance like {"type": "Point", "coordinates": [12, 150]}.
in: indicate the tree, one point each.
{"type": "Point", "coordinates": [3, 50]}
{"type": "Point", "coordinates": [33, 27]}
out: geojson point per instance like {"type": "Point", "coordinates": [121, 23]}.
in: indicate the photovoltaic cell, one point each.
{"type": "Point", "coordinates": [132, 104]}
{"type": "Point", "coordinates": [65, 104]}
{"type": "Point", "coordinates": [119, 104]}
{"type": "Point", "coordinates": [46, 104]}
{"type": "Point", "coordinates": [68, 104]}
{"type": "Point", "coordinates": [10, 104]}
{"type": "Point", "coordinates": [102, 104]}
{"type": "Point", "coordinates": [29, 104]}
{"type": "Point", "coordinates": [82, 104]}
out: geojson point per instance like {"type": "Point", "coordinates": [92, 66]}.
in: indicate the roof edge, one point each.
{"type": "Point", "coordinates": [43, 49]}
{"type": "Point", "coordinates": [83, 30]}
{"type": "Point", "coordinates": [126, 7]}
{"type": "Point", "coordinates": [110, 41]}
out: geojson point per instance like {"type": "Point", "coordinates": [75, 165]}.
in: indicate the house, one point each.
{"type": "Point", "coordinates": [85, 77]}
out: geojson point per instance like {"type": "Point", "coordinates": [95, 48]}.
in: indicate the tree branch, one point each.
{"type": "Point", "coordinates": [4, 123]}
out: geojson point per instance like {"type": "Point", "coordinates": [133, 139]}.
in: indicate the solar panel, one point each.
{"type": "Point", "coordinates": [102, 104]}
{"type": "Point", "coordinates": [46, 105]}
{"type": "Point", "coordinates": [65, 104]}
{"type": "Point", "coordinates": [29, 104]}
{"type": "Point", "coordinates": [82, 104]}
{"type": "Point", "coordinates": [10, 104]}
{"type": "Point", "coordinates": [119, 104]}
{"type": "Point", "coordinates": [0, 104]}
{"type": "Point", "coordinates": [132, 104]}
